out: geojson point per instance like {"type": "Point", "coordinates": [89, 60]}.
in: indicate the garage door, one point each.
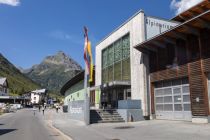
{"type": "Point", "coordinates": [173, 102]}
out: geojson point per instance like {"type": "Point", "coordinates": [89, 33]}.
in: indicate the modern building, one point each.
{"type": "Point", "coordinates": [179, 67]}
{"type": "Point", "coordinates": [38, 96]}
{"type": "Point", "coordinates": [121, 70]}
{"type": "Point", "coordinates": [3, 87]}
{"type": "Point", "coordinates": [161, 65]}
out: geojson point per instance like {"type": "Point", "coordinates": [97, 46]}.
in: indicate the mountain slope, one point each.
{"type": "Point", "coordinates": [54, 71]}
{"type": "Point", "coordinates": [18, 82]}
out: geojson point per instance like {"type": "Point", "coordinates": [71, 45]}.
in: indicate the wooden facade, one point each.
{"type": "Point", "coordinates": [196, 73]}
{"type": "Point", "coordinates": [195, 67]}
{"type": "Point", "coordinates": [183, 52]}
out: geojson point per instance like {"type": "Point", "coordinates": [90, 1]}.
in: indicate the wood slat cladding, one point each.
{"type": "Point", "coordinates": [206, 65]}
{"type": "Point", "coordinates": [199, 104]}
{"type": "Point", "coordinates": [193, 11]}
{"type": "Point", "coordinates": [152, 87]}
{"type": "Point", "coordinates": [172, 73]}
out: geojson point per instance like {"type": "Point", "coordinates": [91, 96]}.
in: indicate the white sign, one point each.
{"type": "Point", "coordinates": [155, 26]}
{"type": "Point", "coordinates": [76, 110]}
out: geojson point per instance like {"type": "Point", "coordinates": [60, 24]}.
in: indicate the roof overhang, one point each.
{"type": "Point", "coordinates": [196, 10]}
{"type": "Point", "coordinates": [180, 31]}
{"type": "Point", "coordinates": [77, 78]}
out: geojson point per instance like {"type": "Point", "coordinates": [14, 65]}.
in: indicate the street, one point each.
{"type": "Point", "coordinates": [23, 125]}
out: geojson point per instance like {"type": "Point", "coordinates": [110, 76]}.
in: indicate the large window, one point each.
{"type": "Point", "coordinates": [116, 61]}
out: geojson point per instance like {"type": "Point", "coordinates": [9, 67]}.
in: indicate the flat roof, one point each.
{"type": "Point", "coordinates": [120, 26]}
{"type": "Point", "coordinates": [180, 31]}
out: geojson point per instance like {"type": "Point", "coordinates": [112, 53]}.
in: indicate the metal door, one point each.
{"type": "Point", "coordinates": [173, 102]}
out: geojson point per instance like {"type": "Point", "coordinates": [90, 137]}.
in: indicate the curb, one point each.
{"type": "Point", "coordinates": [4, 114]}
{"type": "Point", "coordinates": [59, 131]}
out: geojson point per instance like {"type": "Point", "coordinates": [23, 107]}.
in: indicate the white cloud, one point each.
{"type": "Point", "coordinates": [182, 5]}
{"type": "Point", "coordinates": [60, 35]}
{"type": "Point", "coordinates": [10, 2]}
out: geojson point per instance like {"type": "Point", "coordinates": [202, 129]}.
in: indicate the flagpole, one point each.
{"type": "Point", "coordinates": [86, 98]}
{"type": "Point", "coordinates": [86, 102]}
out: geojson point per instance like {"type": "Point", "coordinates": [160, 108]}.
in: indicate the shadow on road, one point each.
{"type": "Point", "coordinates": [1, 124]}
{"type": "Point", "coordinates": [5, 131]}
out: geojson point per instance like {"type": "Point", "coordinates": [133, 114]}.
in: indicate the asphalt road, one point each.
{"type": "Point", "coordinates": [23, 125]}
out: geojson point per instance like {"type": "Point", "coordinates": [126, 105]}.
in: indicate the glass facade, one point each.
{"type": "Point", "coordinates": [116, 61]}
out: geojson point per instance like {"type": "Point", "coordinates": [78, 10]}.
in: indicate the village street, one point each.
{"type": "Point", "coordinates": [23, 125]}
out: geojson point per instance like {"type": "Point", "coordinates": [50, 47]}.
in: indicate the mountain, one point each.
{"type": "Point", "coordinates": [18, 82]}
{"type": "Point", "coordinates": [54, 71]}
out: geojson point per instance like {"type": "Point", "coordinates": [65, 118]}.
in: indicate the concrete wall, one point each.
{"type": "Point", "coordinates": [135, 26]}
{"type": "Point", "coordinates": [76, 110]}
{"type": "Point", "coordinates": [131, 114]}
{"type": "Point", "coordinates": [129, 104]}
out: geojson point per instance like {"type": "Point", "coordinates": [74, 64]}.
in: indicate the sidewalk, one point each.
{"type": "Point", "coordinates": [144, 130]}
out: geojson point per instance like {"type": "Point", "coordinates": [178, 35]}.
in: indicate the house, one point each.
{"type": "Point", "coordinates": [38, 96]}
{"type": "Point", "coordinates": [179, 67]}
{"type": "Point", "coordinates": [3, 87]}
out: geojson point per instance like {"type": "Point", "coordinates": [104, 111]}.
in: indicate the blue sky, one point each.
{"type": "Point", "coordinates": [34, 29]}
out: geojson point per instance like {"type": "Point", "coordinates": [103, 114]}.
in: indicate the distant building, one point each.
{"type": "Point", "coordinates": [38, 96]}
{"type": "Point", "coordinates": [3, 87]}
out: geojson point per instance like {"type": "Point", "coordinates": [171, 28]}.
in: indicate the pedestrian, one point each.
{"type": "Point", "coordinates": [56, 108]}
{"type": "Point", "coordinates": [39, 108]}
{"type": "Point", "coordinates": [34, 110]}
{"type": "Point", "coordinates": [43, 110]}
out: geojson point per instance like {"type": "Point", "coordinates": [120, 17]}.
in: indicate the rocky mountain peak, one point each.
{"type": "Point", "coordinates": [54, 71]}
{"type": "Point", "coordinates": [60, 58]}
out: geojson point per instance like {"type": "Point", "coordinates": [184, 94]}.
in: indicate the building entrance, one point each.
{"type": "Point", "coordinates": [110, 97]}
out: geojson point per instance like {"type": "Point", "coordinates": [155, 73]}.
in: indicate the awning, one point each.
{"type": "Point", "coordinates": [115, 84]}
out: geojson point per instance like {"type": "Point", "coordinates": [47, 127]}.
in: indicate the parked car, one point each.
{"type": "Point", "coordinates": [6, 109]}
{"type": "Point", "coordinates": [16, 106]}
{"type": "Point", "coordinates": [12, 108]}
